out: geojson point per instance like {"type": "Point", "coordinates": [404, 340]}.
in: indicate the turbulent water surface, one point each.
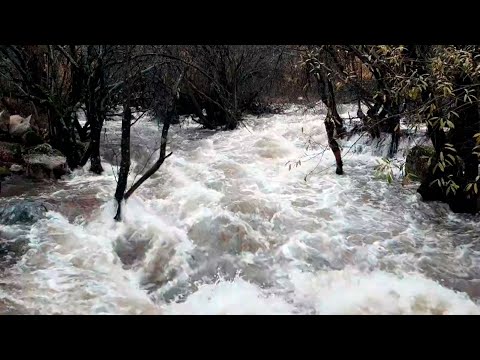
{"type": "Point", "coordinates": [225, 227]}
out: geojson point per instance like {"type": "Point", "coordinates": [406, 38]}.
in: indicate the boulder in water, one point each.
{"type": "Point", "coordinates": [416, 164]}
{"type": "Point", "coordinates": [24, 212]}
{"type": "Point", "coordinates": [44, 162]}
{"type": "Point", "coordinates": [16, 168]}
{"type": "Point", "coordinates": [14, 240]}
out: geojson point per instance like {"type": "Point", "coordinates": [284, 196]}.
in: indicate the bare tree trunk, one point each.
{"type": "Point", "coordinates": [64, 140]}
{"type": "Point", "coordinates": [332, 142]}
{"type": "Point", "coordinates": [86, 155]}
{"type": "Point", "coordinates": [125, 160]}
{"type": "Point", "coordinates": [95, 108]}
{"type": "Point", "coordinates": [332, 104]}
{"type": "Point", "coordinates": [333, 121]}
{"type": "Point", "coordinates": [95, 134]}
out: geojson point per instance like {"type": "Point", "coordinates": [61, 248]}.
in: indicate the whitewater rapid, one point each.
{"type": "Point", "coordinates": [225, 227]}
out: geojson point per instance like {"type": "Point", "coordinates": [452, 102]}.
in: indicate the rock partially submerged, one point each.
{"type": "Point", "coordinates": [24, 150]}
{"type": "Point", "coordinates": [16, 168]}
{"type": "Point", "coordinates": [24, 212]}
{"type": "Point", "coordinates": [44, 162]}
{"type": "Point", "coordinates": [17, 217]}
{"type": "Point", "coordinates": [416, 163]}
{"type": "Point", "coordinates": [38, 162]}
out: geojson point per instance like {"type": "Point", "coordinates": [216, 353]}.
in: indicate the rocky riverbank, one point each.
{"type": "Point", "coordinates": [24, 152]}
{"type": "Point", "coordinates": [38, 162]}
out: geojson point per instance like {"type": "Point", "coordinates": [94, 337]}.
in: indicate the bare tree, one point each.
{"type": "Point", "coordinates": [169, 100]}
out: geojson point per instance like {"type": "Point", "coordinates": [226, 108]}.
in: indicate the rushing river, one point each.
{"type": "Point", "coordinates": [225, 227]}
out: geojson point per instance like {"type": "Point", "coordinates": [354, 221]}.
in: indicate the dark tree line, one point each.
{"type": "Point", "coordinates": [434, 85]}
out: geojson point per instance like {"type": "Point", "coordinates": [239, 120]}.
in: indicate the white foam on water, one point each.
{"type": "Point", "coordinates": [236, 297]}
{"type": "Point", "coordinates": [348, 292]}
{"type": "Point", "coordinates": [352, 292]}
{"type": "Point", "coordinates": [225, 227]}
{"type": "Point", "coordinates": [71, 269]}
